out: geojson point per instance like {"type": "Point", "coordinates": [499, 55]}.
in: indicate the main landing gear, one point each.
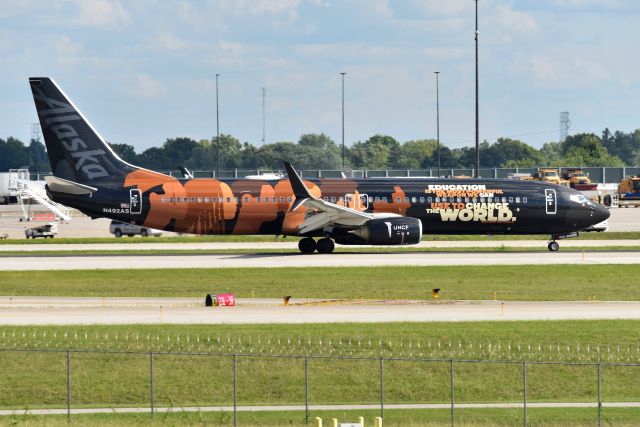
{"type": "Point", "coordinates": [553, 246]}
{"type": "Point", "coordinates": [307, 245]}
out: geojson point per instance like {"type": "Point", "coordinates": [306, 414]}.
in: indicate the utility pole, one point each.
{"type": "Point", "coordinates": [264, 95]}
{"type": "Point", "coordinates": [217, 131]}
{"type": "Point", "coordinates": [343, 120]}
{"type": "Point", "coordinates": [438, 118]}
{"type": "Point", "coordinates": [477, 114]}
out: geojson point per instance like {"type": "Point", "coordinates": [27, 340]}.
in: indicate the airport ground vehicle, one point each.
{"type": "Point", "coordinates": [46, 230]}
{"type": "Point", "coordinates": [90, 177]}
{"type": "Point", "coordinates": [628, 194]}
{"type": "Point", "coordinates": [578, 179]}
{"type": "Point", "coordinates": [120, 229]}
{"type": "Point", "coordinates": [549, 175]}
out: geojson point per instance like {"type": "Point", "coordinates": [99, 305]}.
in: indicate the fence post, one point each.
{"type": "Point", "coordinates": [235, 391]}
{"type": "Point", "coordinates": [599, 398]}
{"type": "Point", "coordinates": [452, 392]}
{"type": "Point", "coordinates": [306, 390]}
{"type": "Point", "coordinates": [69, 385]}
{"type": "Point", "coordinates": [151, 381]}
{"type": "Point", "coordinates": [382, 387]}
{"type": "Point", "coordinates": [524, 390]}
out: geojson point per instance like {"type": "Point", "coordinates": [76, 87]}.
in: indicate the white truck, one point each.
{"type": "Point", "coordinates": [46, 230]}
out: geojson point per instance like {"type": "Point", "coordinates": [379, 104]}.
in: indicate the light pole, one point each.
{"type": "Point", "coordinates": [477, 114]}
{"type": "Point", "coordinates": [264, 121]}
{"type": "Point", "coordinates": [343, 120]}
{"type": "Point", "coordinates": [438, 119]}
{"type": "Point", "coordinates": [217, 131]}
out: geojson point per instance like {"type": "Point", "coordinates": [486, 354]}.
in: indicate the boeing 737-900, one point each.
{"type": "Point", "coordinates": [89, 176]}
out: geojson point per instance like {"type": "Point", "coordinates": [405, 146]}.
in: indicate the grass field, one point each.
{"type": "Point", "coordinates": [543, 282]}
{"type": "Point", "coordinates": [393, 418]}
{"type": "Point", "coordinates": [30, 380]}
{"type": "Point", "coordinates": [623, 235]}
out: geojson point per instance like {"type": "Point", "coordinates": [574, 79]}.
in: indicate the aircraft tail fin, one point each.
{"type": "Point", "coordinates": [77, 152]}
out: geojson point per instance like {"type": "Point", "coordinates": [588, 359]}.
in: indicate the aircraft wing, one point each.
{"type": "Point", "coordinates": [321, 213]}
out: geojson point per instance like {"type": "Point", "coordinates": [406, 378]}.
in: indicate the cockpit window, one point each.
{"type": "Point", "coordinates": [579, 198]}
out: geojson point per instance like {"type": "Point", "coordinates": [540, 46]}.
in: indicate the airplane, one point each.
{"type": "Point", "coordinates": [89, 176]}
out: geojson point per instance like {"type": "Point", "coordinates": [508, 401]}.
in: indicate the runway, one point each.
{"type": "Point", "coordinates": [294, 259]}
{"type": "Point", "coordinates": [141, 245]}
{"type": "Point", "coordinates": [83, 311]}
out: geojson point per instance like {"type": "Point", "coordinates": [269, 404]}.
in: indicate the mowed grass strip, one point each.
{"type": "Point", "coordinates": [535, 282]}
{"type": "Point", "coordinates": [560, 417]}
{"type": "Point", "coordinates": [38, 379]}
{"type": "Point", "coordinates": [614, 235]}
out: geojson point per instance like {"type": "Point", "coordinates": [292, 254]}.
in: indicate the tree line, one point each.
{"type": "Point", "coordinates": [318, 151]}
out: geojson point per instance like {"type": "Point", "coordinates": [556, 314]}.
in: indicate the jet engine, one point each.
{"type": "Point", "coordinates": [385, 231]}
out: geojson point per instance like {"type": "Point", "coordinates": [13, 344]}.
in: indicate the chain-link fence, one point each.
{"type": "Point", "coordinates": [74, 381]}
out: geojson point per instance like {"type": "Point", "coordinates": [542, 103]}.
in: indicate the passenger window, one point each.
{"type": "Point", "coordinates": [228, 199]}
{"type": "Point", "coordinates": [341, 199]}
{"type": "Point", "coordinates": [481, 199]}
{"type": "Point", "coordinates": [246, 200]}
{"type": "Point", "coordinates": [213, 199]}
{"type": "Point", "coordinates": [413, 200]}
{"type": "Point", "coordinates": [398, 199]}
{"type": "Point", "coordinates": [281, 199]}
{"type": "Point", "coordinates": [206, 200]}
{"type": "Point", "coordinates": [333, 199]}
{"type": "Point", "coordinates": [517, 199]}
{"type": "Point", "coordinates": [164, 200]}
{"type": "Point", "coordinates": [325, 198]}
{"type": "Point", "coordinates": [510, 199]}
{"type": "Point", "coordinates": [496, 199]}
{"type": "Point", "coordinates": [170, 199]}
{"type": "Point", "coordinates": [504, 200]}
{"type": "Point", "coordinates": [289, 199]}
{"type": "Point", "coordinates": [178, 200]}
{"type": "Point", "coordinates": [199, 199]}
{"type": "Point", "coordinates": [430, 199]}
{"type": "Point", "coordinates": [275, 200]}
{"type": "Point", "coordinates": [524, 200]}
{"type": "Point", "coordinates": [421, 199]}
{"type": "Point", "coordinates": [193, 200]}
{"type": "Point", "coordinates": [406, 199]}
{"type": "Point", "coordinates": [266, 200]}
{"type": "Point", "coordinates": [376, 199]}
{"type": "Point", "coordinates": [258, 199]}
{"type": "Point", "coordinates": [235, 199]}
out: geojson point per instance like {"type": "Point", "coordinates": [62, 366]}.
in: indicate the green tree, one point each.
{"type": "Point", "coordinates": [126, 152]}
{"type": "Point", "coordinates": [39, 160]}
{"type": "Point", "coordinates": [13, 154]}
{"type": "Point", "coordinates": [318, 151]}
{"type": "Point", "coordinates": [413, 154]}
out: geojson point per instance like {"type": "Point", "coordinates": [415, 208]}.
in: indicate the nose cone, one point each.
{"type": "Point", "coordinates": [600, 213]}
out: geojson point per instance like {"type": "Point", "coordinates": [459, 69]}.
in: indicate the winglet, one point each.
{"type": "Point", "coordinates": [299, 189]}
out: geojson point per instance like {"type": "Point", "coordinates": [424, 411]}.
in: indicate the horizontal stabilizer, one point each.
{"type": "Point", "coordinates": [61, 185]}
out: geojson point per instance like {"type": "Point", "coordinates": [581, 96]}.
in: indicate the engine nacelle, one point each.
{"type": "Point", "coordinates": [390, 231]}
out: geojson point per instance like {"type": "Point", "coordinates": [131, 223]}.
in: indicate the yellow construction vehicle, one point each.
{"type": "Point", "coordinates": [628, 194]}
{"type": "Point", "coordinates": [549, 175]}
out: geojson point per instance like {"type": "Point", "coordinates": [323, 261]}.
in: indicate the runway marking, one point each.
{"type": "Point", "coordinates": [316, 260]}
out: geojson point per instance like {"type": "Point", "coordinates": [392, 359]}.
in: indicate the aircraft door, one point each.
{"type": "Point", "coordinates": [551, 203]}
{"type": "Point", "coordinates": [359, 203]}
{"type": "Point", "coordinates": [135, 201]}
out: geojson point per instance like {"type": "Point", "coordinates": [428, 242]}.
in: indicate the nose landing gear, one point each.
{"type": "Point", "coordinates": [553, 246]}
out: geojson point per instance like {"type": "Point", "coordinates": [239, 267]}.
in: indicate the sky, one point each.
{"type": "Point", "coordinates": [143, 71]}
